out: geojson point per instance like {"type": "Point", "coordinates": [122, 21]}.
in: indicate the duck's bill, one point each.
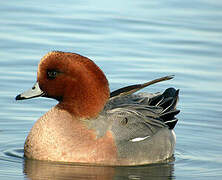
{"type": "Point", "coordinates": [35, 91]}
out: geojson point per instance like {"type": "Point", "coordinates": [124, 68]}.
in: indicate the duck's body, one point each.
{"type": "Point", "coordinates": [96, 127]}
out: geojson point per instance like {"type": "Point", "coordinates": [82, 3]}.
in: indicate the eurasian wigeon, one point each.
{"type": "Point", "coordinates": [92, 125]}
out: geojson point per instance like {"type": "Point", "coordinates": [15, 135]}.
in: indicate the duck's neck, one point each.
{"type": "Point", "coordinates": [85, 104]}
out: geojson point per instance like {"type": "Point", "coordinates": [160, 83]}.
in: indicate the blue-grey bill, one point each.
{"type": "Point", "coordinates": [35, 91]}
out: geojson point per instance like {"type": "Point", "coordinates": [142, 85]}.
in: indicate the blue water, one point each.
{"type": "Point", "coordinates": [133, 42]}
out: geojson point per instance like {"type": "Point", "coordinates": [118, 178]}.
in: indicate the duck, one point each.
{"type": "Point", "coordinates": [92, 125]}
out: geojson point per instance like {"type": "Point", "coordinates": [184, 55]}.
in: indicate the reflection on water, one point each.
{"type": "Point", "coordinates": [51, 170]}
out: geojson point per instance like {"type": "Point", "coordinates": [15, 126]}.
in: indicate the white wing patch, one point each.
{"type": "Point", "coordinates": [139, 139]}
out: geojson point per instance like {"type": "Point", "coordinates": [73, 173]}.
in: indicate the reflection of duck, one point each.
{"type": "Point", "coordinates": [53, 170]}
{"type": "Point", "coordinates": [90, 125]}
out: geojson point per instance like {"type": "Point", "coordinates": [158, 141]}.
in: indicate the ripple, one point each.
{"type": "Point", "coordinates": [14, 153]}
{"type": "Point", "coordinates": [11, 153]}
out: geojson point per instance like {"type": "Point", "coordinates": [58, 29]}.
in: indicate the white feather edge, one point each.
{"type": "Point", "coordinates": [174, 135]}
{"type": "Point", "coordinates": [139, 139]}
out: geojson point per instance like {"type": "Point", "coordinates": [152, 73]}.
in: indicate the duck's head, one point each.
{"type": "Point", "coordinates": [74, 80]}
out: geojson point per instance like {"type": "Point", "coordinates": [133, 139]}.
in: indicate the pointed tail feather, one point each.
{"type": "Point", "coordinates": [133, 88]}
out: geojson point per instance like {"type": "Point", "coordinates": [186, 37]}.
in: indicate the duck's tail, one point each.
{"type": "Point", "coordinates": [168, 101]}
{"type": "Point", "coordinates": [134, 88]}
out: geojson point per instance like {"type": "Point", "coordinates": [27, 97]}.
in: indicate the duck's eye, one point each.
{"type": "Point", "coordinates": [52, 73]}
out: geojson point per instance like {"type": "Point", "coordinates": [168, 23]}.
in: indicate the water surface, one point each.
{"type": "Point", "coordinates": [132, 41]}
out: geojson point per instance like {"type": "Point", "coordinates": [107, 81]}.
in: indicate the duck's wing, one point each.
{"type": "Point", "coordinates": [135, 124]}
{"type": "Point", "coordinates": [142, 117]}
{"type": "Point", "coordinates": [166, 101]}
{"type": "Point", "coordinates": [150, 111]}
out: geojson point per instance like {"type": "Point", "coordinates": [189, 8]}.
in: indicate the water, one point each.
{"type": "Point", "coordinates": [132, 41]}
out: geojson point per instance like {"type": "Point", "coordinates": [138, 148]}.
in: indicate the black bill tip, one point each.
{"type": "Point", "coordinates": [19, 97]}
